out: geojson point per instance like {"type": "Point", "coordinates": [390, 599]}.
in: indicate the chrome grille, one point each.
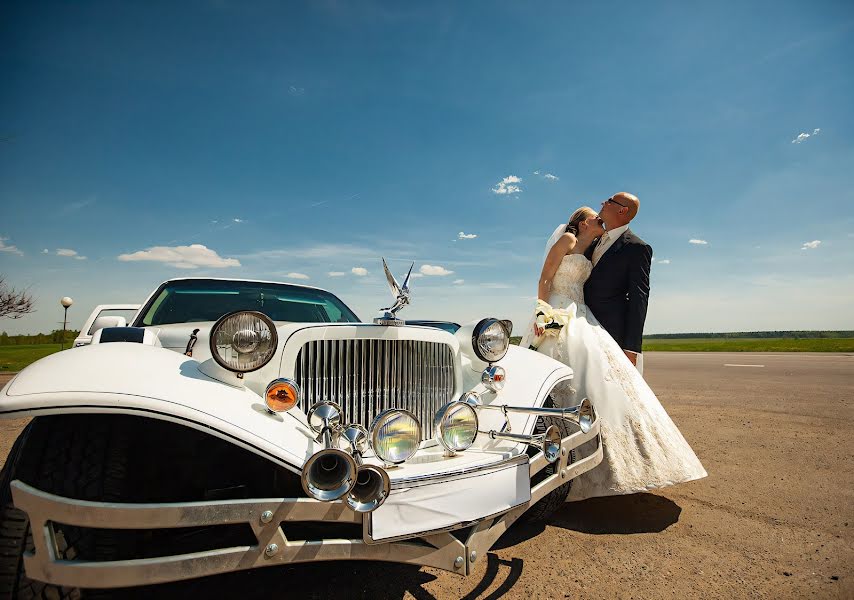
{"type": "Point", "coordinates": [367, 377]}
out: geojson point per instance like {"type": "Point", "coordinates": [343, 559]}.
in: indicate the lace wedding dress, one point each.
{"type": "Point", "coordinates": [642, 447]}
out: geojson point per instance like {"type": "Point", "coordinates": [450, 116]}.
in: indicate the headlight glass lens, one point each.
{"type": "Point", "coordinates": [281, 395]}
{"type": "Point", "coordinates": [491, 340]}
{"type": "Point", "coordinates": [395, 435]}
{"type": "Point", "coordinates": [456, 426]}
{"type": "Point", "coordinates": [243, 341]}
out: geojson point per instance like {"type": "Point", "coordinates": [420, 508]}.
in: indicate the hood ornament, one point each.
{"type": "Point", "coordinates": [401, 299]}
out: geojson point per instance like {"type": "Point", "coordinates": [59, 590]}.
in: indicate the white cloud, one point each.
{"type": "Point", "coordinates": [508, 185]}
{"type": "Point", "coordinates": [45, 251]}
{"type": "Point", "coordinates": [296, 91]}
{"type": "Point", "coordinates": [698, 242]}
{"type": "Point", "coordinates": [551, 177]}
{"type": "Point", "coordinates": [297, 276]}
{"type": "Point", "coordinates": [8, 248]}
{"type": "Point", "coordinates": [416, 275]}
{"type": "Point", "coordinates": [459, 281]}
{"type": "Point", "coordinates": [466, 236]}
{"type": "Point", "coordinates": [182, 257]}
{"type": "Point", "coordinates": [803, 136]}
{"type": "Point", "coordinates": [360, 271]}
{"type": "Point", "coordinates": [336, 273]}
{"type": "Point", "coordinates": [238, 220]}
{"type": "Point", "coordinates": [69, 253]}
{"type": "Point", "coordinates": [811, 245]}
{"type": "Point", "coordinates": [434, 270]}
{"type": "Point", "coordinates": [666, 261]}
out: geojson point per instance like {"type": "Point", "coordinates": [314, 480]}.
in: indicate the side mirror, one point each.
{"type": "Point", "coordinates": [102, 322]}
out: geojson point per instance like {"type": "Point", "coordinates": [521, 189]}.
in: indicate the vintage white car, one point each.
{"type": "Point", "coordinates": [241, 424]}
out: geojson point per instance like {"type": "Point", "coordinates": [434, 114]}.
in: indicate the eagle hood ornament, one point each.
{"type": "Point", "coordinates": [401, 296]}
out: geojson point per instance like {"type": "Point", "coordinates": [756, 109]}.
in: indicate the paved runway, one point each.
{"type": "Point", "coordinates": [774, 519]}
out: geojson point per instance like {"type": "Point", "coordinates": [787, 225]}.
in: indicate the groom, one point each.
{"type": "Point", "coordinates": [617, 290]}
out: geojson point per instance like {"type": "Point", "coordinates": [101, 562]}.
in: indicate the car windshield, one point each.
{"type": "Point", "coordinates": [187, 301]}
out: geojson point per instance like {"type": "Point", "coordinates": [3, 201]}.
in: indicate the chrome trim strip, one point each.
{"type": "Point", "coordinates": [431, 478]}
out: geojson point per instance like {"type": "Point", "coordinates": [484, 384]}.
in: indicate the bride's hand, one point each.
{"type": "Point", "coordinates": [538, 330]}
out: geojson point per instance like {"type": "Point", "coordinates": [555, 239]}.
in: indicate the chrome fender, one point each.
{"type": "Point", "coordinates": [156, 383]}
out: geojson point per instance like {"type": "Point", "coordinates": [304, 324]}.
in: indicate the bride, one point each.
{"type": "Point", "coordinates": [642, 447]}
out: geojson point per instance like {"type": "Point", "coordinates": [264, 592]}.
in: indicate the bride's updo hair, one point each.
{"type": "Point", "coordinates": [577, 217]}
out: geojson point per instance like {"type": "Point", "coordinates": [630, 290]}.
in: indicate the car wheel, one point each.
{"type": "Point", "coordinates": [552, 501]}
{"type": "Point", "coordinates": [77, 456]}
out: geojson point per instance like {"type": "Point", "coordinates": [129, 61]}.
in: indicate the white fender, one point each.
{"type": "Point", "coordinates": [157, 383]}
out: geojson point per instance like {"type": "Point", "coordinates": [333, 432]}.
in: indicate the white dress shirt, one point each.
{"type": "Point", "coordinates": [606, 241]}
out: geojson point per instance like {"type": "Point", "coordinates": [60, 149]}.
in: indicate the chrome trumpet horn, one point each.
{"type": "Point", "coordinates": [330, 473]}
{"type": "Point", "coordinates": [582, 415]}
{"type": "Point", "coordinates": [372, 483]}
{"type": "Point", "coordinates": [548, 441]}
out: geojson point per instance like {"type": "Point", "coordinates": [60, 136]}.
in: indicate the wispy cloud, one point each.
{"type": "Point", "coordinates": [811, 245]}
{"type": "Point", "coordinates": [238, 220]}
{"type": "Point", "coordinates": [71, 207]}
{"type": "Point", "coordinates": [508, 185]}
{"type": "Point", "coordinates": [4, 247]}
{"type": "Point", "coordinates": [69, 253]}
{"type": "Point", "coordinates": [804, 136]}
{"type": "Point", "coordinates": [297, 276]}
{"type": "Point", "coordinates": [698, 242]}
{"type": "Point", "coordinates": [665, 261]}
{"type": "Point", "coordinates": [336, 273]}
{"type": "Point", "coordinates": [551, 177]}
{"type": "Point", "coordinates": [359, 271]}
{"type": "Point", "coordinates": [434, 270]}
{"type": "Point", "coordinates": [296, 91]}
{"type": "Point", "coordinates": [182, 257]}
{"type": "Point", "coordinates": [466, 236]}
{"type": "Point", "coordinates": [459, 281]}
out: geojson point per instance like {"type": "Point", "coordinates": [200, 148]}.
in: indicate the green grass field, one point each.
{"type": "Point", "coordinates": [15, 358]}
{"type": "Point", "coordinates": [745, 345]}
{"type": "Point", "coordinates": [750, 345]}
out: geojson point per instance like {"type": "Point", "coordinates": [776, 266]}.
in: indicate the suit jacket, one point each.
{"type": "Point", "coordinates": [617, 290]}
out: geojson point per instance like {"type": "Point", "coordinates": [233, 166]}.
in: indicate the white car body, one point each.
{"type": "Point", "coordinates": [485, 487]}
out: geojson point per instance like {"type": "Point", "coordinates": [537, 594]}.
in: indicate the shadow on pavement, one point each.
{"type": "Point", "coordinates": [632, 513]}
{"type": "Point", "coordinates": [492, 574]}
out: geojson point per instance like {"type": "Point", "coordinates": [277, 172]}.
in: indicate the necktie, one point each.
{"type": "Point", "coordinates": [599, 250]}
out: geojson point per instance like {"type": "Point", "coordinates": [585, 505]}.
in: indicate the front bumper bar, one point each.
{"type": "Point", "coordinates": [439, 549]}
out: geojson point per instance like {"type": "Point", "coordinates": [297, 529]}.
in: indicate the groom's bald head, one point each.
{"type": "Point", "coordinates": [619, 209]}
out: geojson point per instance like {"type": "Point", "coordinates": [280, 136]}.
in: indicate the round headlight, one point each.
{"type": "Point", "coordinates": [243, 341]}
{"type": "Point", "coordinates": [395, 435]}
{"type": "Point", "coordinates": [456, 426]}
{"type": "Point", "coordinates": [490, 340]}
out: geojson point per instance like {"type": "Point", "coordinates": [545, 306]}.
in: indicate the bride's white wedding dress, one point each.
{"type": "Point", "coordinates": [643, 449]}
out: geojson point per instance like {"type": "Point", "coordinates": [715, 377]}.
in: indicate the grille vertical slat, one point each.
{"type": "Point", "coordinates": [368, 376]}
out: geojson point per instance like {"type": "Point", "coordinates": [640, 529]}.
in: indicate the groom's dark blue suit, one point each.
{"type": "Point", "coordinates": [617, 290]}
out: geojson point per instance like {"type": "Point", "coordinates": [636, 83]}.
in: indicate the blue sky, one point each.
{"type": "Point", "coordinates": [297, 140]}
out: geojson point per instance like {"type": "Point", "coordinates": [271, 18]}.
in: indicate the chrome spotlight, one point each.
{"type": "Point", "coordinates": [548, 441]}
{"type": "Point", "coordinates": [372, 483]}
{"type": "Point", "coordinates": [330, 473]}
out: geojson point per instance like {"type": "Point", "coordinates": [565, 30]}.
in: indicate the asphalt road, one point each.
{"type": "Point", "coordinates": [774, 519]}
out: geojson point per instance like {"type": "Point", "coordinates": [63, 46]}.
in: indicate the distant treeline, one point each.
{"type": "Point", "coordinates": [54, 337]}
{"type": "Point", "coordinates": [753, 335]}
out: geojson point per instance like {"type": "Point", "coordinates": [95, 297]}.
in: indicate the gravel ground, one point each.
{"type": "Point", "coordinates": [774, 519]}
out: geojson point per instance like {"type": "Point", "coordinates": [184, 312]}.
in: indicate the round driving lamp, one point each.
{"type": "Point", "coordinates": [282, 395]}
{"type": "Point", "coordinates": [490, 340]}
{"type": "Point", "coordinates": [395, 435]}
{"type": "Point", "coordinates": [456, 426]}
{"type": "Point", "coordinates": [243, 341]}
{"type": "Point", "coordinates": [493, 378]}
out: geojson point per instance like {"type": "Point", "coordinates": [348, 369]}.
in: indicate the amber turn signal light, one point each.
{"type": "Point", "coordinates": [282, 395]}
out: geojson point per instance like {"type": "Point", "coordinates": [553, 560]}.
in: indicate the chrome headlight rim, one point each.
{"type": "Point", "coordinates": [380, 420]}
{"type": "Point", "coordinates": [439, 425]}
{"type": "Point", "coordinates": [480, 328]}
{"type": "Point", "coordinates": [274, 340]}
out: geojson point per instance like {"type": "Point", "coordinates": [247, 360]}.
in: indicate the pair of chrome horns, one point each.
{"type": "Point", "coordinates": [549, 442]}
{"type": "Point", "coordinates": [333, 473]}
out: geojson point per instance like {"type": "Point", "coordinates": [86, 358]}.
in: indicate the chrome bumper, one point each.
{"type": "Point", "coordinates": [437, 549]}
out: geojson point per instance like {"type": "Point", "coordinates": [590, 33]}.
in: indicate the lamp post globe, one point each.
{"type": "Point", "coordinates": [65, 301]}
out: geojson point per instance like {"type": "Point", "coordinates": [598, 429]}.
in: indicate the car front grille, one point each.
{"type": "Point", "coordinates": [366, 377]}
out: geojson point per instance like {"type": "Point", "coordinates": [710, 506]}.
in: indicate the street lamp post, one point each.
{"type": "Point", "coordinates": [65, 302]}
